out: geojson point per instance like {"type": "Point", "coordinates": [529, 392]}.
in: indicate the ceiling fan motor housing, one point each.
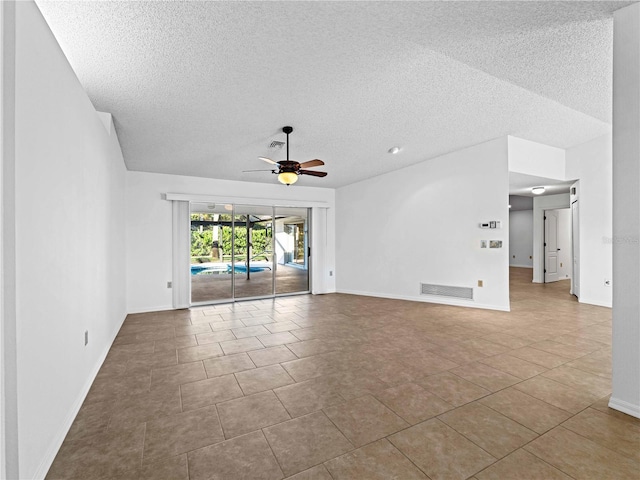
{"type": "Point", "coordinates": [289, 166]}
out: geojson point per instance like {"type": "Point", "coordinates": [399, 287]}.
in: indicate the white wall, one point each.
{"type": "Point", "coordinates": [533, 158]}
{"type": "Point", "coordinates": [626, 211]}
{"type": "Point", "coordinates": [421, 224]}
{"type": "Point", "coordinates": [149, 218]}
{"type": "Point", "coordinates": [8, 367]}
{"type": "Point", "coordinates": [69, 208]}
{"type": "Point", "coordinates": [521, 238]}
{"type": "Point", "coordinates": [591, 162]}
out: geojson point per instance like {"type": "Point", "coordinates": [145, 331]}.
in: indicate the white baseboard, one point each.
{"type": "Point", "coordinates": [597, 303]}
{"type": "Point", "coordinates": [625, 407]}
{"type": "Point", "coordinates": [51, 453]}
{"type": "Point", "coordinates": [326, 292]}
{"type": "Point", "coordinates": [430, 299]}
{"type": "Point", "coordinates": [522, 266]}
{"type": "Point", "coordinates": [163, 308]}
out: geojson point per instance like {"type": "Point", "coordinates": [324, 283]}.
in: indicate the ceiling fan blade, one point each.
{"type": "Point", "coordinates": [312, 173]}
{"type": "Point", "coordinates": [262, 170]}
{"type": "Point", "coordinates": [312, 163]}
{"type": "Point", "coordinates": [268, 160]}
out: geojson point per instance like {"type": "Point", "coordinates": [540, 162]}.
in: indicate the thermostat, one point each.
{"type": "Point", "coordinates": [491, 224]}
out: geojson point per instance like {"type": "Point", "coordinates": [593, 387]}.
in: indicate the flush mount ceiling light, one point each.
{"type": "Point", "coordinates": [537, 190]}
{"type": "Point", "coordinates": [394, 150]}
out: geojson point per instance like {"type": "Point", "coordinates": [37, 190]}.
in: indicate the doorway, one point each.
{"type": "Point", "coordinates": [575, 244]}
{"type": "Point", "coordinates": [558, 261]}
{"type": "Point", "coordinates": [242, 252]}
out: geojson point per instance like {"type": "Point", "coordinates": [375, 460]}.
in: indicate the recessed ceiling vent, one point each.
{"type": "Point", "coordinates": [276, 144]}
{"type": "Point", "coordinates": [446, 291]}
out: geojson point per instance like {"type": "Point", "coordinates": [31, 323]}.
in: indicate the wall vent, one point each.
{"type": "Point", "coordinates": [446, 291]}
{"type": "Point", "coordinates": [276, 144]}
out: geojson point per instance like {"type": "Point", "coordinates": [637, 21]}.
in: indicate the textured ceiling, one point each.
{"type": "Point", "coordinates": [202, 88]}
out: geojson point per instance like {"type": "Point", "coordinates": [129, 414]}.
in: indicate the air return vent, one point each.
{"type": "Point", "coordinates": [446, 291]}
{"type": "Point", "coordinates": [276, 144]}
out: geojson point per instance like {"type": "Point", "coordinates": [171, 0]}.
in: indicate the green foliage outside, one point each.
{"type": "Point", "coordinates": [202, 241]}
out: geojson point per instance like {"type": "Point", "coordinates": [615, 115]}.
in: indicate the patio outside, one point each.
{"type": "Point", "coordinates": [235, 252]}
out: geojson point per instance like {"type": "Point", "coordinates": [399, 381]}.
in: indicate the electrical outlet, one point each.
{"type": "Point", "coordinates": [607, 283]}
{"type": "Point", "coordinates": [480, 283]}
{"type": "Point", "coordinates": [86, 337]}
{"type": "Point", "coordinates": [168, 284]}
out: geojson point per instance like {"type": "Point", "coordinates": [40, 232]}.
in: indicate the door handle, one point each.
{"type": "Point", "coordinates": [558, 250]}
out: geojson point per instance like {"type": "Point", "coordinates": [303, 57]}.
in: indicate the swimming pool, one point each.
{"type": "Point", "coordinates": [208, 268]}
{"type": "Point", "coordinates": [225, 268]}
{"type": "Point", "coordinates": [253, 267]}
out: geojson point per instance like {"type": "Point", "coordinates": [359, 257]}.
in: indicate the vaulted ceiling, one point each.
{"type": "Point", "coordinates": [203, 88]}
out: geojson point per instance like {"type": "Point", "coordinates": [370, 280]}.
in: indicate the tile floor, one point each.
{"type": "Point", "coordinates": [347, 387]}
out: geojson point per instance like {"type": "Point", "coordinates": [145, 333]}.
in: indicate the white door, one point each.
{"type": "Point", "coordinates": [575, 227]}
{"type": "Point", "coordinates": [551, 246]}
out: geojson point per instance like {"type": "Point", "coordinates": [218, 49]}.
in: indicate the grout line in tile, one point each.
{"type": "Point", "coordinates": [528, 428]}
{"type": "Point", "coordinates": [271, 448]}
{"type": "Point", "coordinates": [476, 444]}
{"type": "Point", "coordinates": [404, 455]}
{"type": "Point", "coordinates": [542, 459]}
{"type": "Point", "coordinates": [590, 439]}
{"type": "Point", "coordinates": [144, 444]}
{"type": "Point", "coordinates": [235, 376]}
{"type": "Point", "coordinates": [188, 469]}
{"type": "Point", "coordinates": [224, 434]}
{"type": "Point", "coordinates": [522, 448]}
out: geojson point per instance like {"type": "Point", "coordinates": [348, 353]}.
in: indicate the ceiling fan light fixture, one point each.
{"type": "Point", "coordinates": [537, 190]}
{"type": "Point", "coordinates": [288, 178]}
{"type": "Point", "coordinates": [288, 170]}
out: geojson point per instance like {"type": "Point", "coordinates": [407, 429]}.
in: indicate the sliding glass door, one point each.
{"type": "Point", "coordinates": [253, 251]}
{"type": "Point", "coordinates": [292, 250]}
{"type": "Point", "coordinates": [211, 247]}
{"type": "Point", "coordinates": [247, 251]}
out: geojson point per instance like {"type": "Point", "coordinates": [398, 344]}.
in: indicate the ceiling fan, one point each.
{"type": "Point", "coordinates": [288, 170]}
